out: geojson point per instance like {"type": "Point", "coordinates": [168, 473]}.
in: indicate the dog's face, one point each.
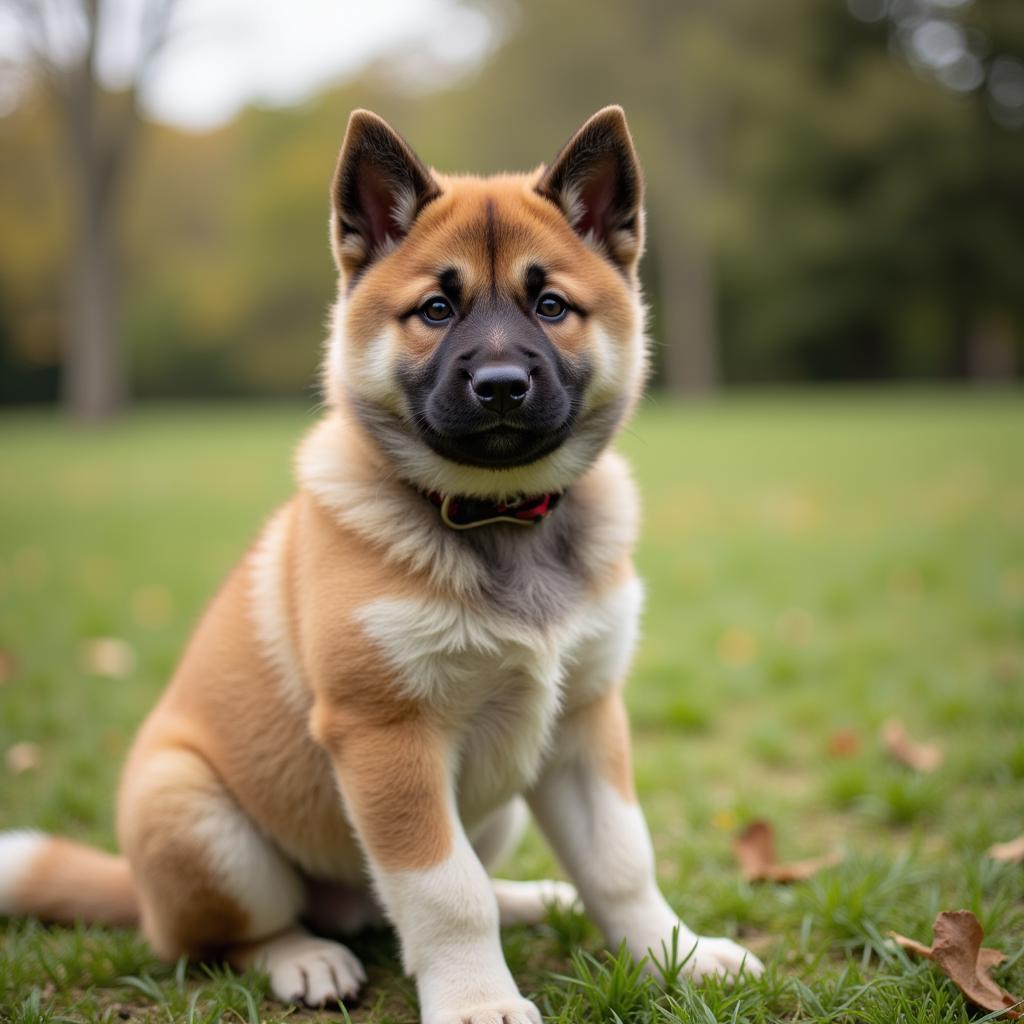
{"type": "Point", "coordinates": [489, 330]}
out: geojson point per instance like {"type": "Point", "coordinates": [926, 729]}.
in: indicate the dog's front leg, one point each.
{"type": "Point", "coordinates": [585, 804]}
{"type": "Point", "coordinates": [395, 779]}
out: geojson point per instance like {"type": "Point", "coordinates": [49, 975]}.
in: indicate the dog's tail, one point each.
{"type": "Point", "coordinates": [61, 881]}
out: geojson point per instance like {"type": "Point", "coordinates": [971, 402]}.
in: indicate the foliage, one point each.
{"type": "Point", "coordinates": [817, 204]}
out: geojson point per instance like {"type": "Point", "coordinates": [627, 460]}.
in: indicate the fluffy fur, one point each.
{"type": "Point", "coordinates": [366, 703]}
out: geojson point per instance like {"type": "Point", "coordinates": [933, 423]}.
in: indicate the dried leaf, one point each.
{"type": "Point", "coordinates": [22, 757]}
{"type": "Point", "coordinates": [956, 948]}
{"type": "Point", "coordinates": [922, 757]}
{"type": "Point", "coordinates": [1011, 852]}
{"type": "Point", "coordinates": [754, 848]}
{"type": "Point", "coordinates": [843, 743]}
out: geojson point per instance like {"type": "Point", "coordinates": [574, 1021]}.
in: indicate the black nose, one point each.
{"type": "Point", "coordinates": [501, 387]}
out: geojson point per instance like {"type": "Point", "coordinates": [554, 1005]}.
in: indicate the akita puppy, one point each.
{"type": "Point", "coordinates": [433, 633]}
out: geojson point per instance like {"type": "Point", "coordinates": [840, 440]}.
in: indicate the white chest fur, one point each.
{"type": "Point", "coordinates": [502, 684]}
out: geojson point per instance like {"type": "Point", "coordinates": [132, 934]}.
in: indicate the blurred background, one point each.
{"type": "Point", "coordinates": [836, 189]}
{"type": "Point", "coordinates": [836, 196]}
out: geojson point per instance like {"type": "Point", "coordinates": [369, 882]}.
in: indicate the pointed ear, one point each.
{"type": "Point", "coordinates": [380, 187]}
{"type": "Point", "coordinates": [596, 182]}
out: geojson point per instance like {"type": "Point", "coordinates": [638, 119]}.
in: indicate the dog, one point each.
{"type": "Point", "coordinates": [433, 635]}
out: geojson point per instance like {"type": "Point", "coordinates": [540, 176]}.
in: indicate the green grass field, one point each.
{"type": "Point", "coordinates": [816, 564]}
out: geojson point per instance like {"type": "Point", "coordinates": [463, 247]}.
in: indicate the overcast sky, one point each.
{"type": "Point", "coordinates": [225, 53]}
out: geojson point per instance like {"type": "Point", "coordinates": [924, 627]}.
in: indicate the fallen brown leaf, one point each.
{"type": "Point", "coordinates": [1011, 852]}
{"type": "Point", "coordinates": [922, 757]}
{"type": "Point", "coordinates": [843, 743]}
{"type": "Point", "coordinates": [754, 848]}
{"type": "Point", "coordinates": [957, 949]}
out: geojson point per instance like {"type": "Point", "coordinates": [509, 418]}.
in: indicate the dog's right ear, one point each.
{"type": "Point", "coordinates": [380, 187]}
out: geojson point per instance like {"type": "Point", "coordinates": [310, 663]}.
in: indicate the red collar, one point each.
{"type": "Point", "coordinates": [463, 513]}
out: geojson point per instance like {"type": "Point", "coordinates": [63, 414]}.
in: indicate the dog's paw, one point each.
{"type": "Point", "coordinates": [528, 902]}
{"type": "Point", "coordinates": [317, 972]}
{"type": "Point", "coordinates": [506, 1011]}
{"type": "Point", "coordinates": [721, 957]}
{"type": "Point", "coordinates": [558, 895]}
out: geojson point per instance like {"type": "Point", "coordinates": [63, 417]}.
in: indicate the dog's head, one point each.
{"type": "Point", "coordinates": [489, 331]}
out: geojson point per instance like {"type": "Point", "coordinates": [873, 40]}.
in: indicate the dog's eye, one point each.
{"type": "Point", "coordinates": [436, 310]}
{"type": "Point", "coordinates": [551, 307]}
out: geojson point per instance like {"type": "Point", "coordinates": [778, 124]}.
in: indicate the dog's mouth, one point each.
{"type": "Point", "coordinates": [503, 446]}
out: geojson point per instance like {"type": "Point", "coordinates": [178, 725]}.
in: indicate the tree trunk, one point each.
{"type": "Point", "coordinates": [100, 130]}
{"type": "Point", "coordinates": [98, 136]}
{"type": "Point", "coordinates": [686, 284]}
{"type": "Point", "coordinates": [93, 382]}
{"type": "Point", "coordinates": [681, 196]}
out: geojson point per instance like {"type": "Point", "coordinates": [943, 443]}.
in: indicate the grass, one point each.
{"type": "Point", "coordinates": [816, 563]}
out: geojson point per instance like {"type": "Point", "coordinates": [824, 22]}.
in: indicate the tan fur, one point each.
{"type": "Point", "coordinates": [255, 741]}
{"type": "Point", "coordinates": [183, 908]}
{"type": "Point", "coordinates": [258, 745]}
{"type": "Point", "coordinates": [394, 782]}
{"type": "Point", "coordinates": [605, 728]}
{"type": "Point", "coordinates": [69, 881]}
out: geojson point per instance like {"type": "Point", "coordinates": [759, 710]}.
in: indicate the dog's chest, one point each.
{"type": "Point", "coordinates": [502, 681]}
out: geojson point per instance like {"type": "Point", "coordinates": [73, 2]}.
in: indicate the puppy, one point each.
{"type": "Point", "coordinates": [433, 634]}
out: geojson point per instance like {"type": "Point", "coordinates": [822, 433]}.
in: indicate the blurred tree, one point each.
{"type": "Point", "coordinates": [819, 203]}
{"type": "Point", "coordinates": [233, 300]}
{"type": "Point", "coordinates": [873, 216]}
{"type": "Point", "coordinates": [100, 129]}
{"type": "Point", "coordinates": [34, 209]}
{"type": "Point", "coordinates": [822, 204]}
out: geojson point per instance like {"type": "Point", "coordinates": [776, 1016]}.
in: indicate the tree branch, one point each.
{"type": "Point", "coordinates": [32, 18]}
{"type": "Point", "coordinates": [122, 129]}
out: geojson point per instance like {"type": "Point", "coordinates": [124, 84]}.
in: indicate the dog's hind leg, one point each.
{"type": "Point", "coordinates": [518, 902]}
{"type": "Point", "coordinates": [210, 884]}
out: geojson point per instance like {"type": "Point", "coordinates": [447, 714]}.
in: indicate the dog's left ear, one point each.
{"type": "Point", "coordinates": [595, 180]}
{"type": "Point", "coordinates": [380, 187]}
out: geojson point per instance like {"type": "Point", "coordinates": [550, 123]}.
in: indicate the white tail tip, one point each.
{"type": "Point", "coordinates": [17, 851]}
